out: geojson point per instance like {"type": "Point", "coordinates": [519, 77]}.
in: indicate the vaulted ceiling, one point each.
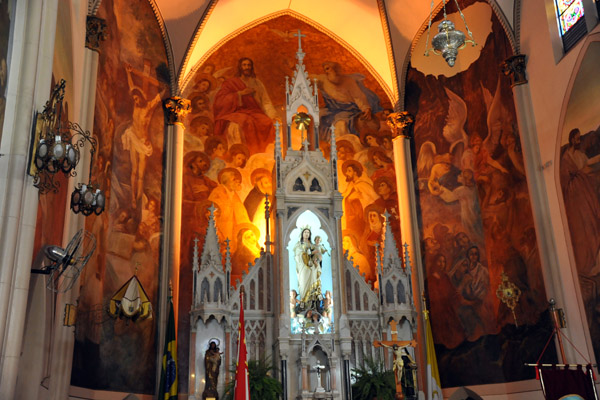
{"type": "Point", "coordinates": [381, 31]}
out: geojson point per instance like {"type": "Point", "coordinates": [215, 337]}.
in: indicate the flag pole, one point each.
{"type": "Point", "coordinates": [242, 384]}
{"type": "Point", "coordinates": [434, 388]}
{"type": "Point", "coordinates": [169, 376]}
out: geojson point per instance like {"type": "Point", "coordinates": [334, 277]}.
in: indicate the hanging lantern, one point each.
{"type": "Point", "coordinates": [87, 199]}
{"type": "Point", "coordinates": [448, 40]}
{"type": "Point", "coordinates": [58, 150]}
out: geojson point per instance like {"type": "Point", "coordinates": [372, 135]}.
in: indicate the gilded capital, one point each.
{"type": "Point", "coordinates": [94, 32]}
{"type": "Point", "coordinates": [401, 123]}
{"type": "Point", "coordinates": [515, 66]}
{"type": "Point", "coordinates": [175, 109]}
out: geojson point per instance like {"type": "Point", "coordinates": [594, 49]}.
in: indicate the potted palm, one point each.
{"type": "Point", "coordinates": [262, 384]}
{"type": "Point", "coordinates": [373, 382]}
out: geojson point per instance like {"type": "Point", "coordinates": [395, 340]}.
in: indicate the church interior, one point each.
{"type": "Point", "coordinates": [326, 189]}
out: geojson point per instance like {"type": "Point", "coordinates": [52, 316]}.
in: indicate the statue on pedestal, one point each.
{"type": "Point", "coordinates": [212, 365]}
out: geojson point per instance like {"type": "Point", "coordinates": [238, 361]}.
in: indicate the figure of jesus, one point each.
{"type": "Point", "coordinates": [243, 110]}
{"type": "Point", "coordinates": [135, 139]}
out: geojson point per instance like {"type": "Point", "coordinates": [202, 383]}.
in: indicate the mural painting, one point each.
{"type": "Point", "coordinates": [476, 219]}
{"type": "Point", "coordinates": [129, 123]}
{"type": "Point", "coordinates": [237, 94]}
{"type": "Point", "coordinates": [580, 181]}
{"type": "Point", "coordinates": [4, 40]}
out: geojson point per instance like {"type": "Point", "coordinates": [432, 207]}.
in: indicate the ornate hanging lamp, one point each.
{"type": "Point", "coordinates": [59, 144]}
{"type": "Point", "coordinates": [448, 40]}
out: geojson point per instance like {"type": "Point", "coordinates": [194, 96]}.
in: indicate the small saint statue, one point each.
{"type": "Point", "coordinates": [212, 364]}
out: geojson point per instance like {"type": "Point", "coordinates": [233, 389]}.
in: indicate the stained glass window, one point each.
{"type": "Point", "coordinates": [569, 12]}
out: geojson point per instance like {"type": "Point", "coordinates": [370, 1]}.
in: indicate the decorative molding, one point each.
{"type": "Point", "coordinates": [515, 66]}
{"type": "Point", "coordinates": [168, 49]}
{"type": "Point", "coordinates": [186, 58]}
{"type": "Point", "coordinates": [510, 33]}
{"type": "Point", "coordinates": [176, 108]}
{"type": "Point", "coordinates": [95, 32]}
{"type": "Point", "coordinates": [388, 91]}
{"type": "Point", "coordinates": [385, 24]}
{"type": "Point", "coordinates": [517, 24]}
{"type": "Point", "coordinates": [93, 6]}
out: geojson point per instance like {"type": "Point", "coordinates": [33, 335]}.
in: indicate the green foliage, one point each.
{"type": "Point", "coordinates": [262, 385]}
{"type": "Point", "coordinates": [373, 381]}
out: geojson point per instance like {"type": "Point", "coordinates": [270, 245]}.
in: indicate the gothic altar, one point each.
{"type": "Point", "coordinates": [307, 305]}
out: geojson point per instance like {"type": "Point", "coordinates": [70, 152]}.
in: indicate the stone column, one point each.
{"type": "Point", "coordinates": [558, 281]}
{"type": "Point", "coordinates": [284, 380]}
{"type": "Point", "coordinates": [192, 362]}
{"type": "Point", "coordinates": [30, 75]}
{"type": "Point", "coordinates": [402, 125]}
{"type": "Point", "coordinates": [63, 342]}
{"type": "Point", "coordinates": [175, 110]}
{"type": "Point", "coordinates": [347, 383]}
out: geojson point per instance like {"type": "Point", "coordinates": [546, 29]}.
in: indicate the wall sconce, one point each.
{"type": "Point", "coordinates": [58, 147]}
{"type": "Point", "coordinates": [448, 40]}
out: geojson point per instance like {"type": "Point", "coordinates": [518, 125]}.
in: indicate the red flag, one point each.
{"type": "Point", "coordinates": [242, 386]}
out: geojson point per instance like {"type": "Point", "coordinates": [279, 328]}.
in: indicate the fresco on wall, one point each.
{"type": "Point", "coordinates": [579, 173]}
{"type": "Point", "coordinates": [4, 40]}
{"type": "Point", "coordinates": [476, 219]}
{"type": "Point", "coordinates": [129, 122]}
{"type": "Point", "coordinates": [236, 94]}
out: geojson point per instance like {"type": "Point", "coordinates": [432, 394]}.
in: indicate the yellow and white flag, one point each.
{"type": "Point", "coordinates": [434, 389]}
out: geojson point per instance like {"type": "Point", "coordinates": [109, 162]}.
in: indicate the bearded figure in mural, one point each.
{"type": "Point", "coordinates": [243, 110]}
{"type": "Point", "coordinates": [348, 103]}
{"type": "Point", "coordinates": [308, 268]}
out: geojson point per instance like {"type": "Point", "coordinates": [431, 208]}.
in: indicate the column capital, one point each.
{"type": "Point", "coordinates": [94, 32]}
{"type": "Point", "coordinates": [515, 66]}
{"type": "Point", "coordinates": [402, 123]}
{"type": "Point", "coordinates": [175, 109]}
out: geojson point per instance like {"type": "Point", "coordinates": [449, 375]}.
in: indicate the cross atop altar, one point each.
{"type": "Point", "coordinates": [397, 346]}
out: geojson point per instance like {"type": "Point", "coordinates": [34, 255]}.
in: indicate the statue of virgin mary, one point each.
{"type": "Point", "coordinates": [307, 269]}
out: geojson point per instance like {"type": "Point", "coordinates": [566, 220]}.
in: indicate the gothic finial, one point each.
{"type": "Point", "coordinates": [406, 257]}
{"type": "Point", "coordinates": [277, 139]}
{"type": "Point", "coordinates": [333, 144]}
{"type": "Point", "coordinates": [211, 249]}
{"type": "Point", "coordinates": [227, 255]}
{"type": "Point", "coordinates": [195, 262]}
{"type": "Point", "coordinates": [299, 53]}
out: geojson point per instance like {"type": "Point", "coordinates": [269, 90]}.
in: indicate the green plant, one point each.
{"type": "Point", "coordinates": [262, 385]}
{"type": "Point", "coordinates": [372, 381]}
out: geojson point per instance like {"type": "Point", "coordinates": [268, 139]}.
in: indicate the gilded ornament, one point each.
{"type": "Point", "coordinates": [509, 294]}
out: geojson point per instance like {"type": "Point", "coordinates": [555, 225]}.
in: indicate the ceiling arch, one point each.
{"type": "Point", "coordinates": [357, 24]}
{"type": "Point", "coordinates": [390, 91]}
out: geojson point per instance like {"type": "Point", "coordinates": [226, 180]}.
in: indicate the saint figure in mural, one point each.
{"type": "Point", "coordinates": [232, 210]}
{"type": "Point", "coordinates": [348, 103]}
{"type": "Point", "coordinates": [581, 203]}
{"type": "Point", "coordinates": [247, 250]}
{"type": "Point", "coordinates": [243, 110]}
{"type": "Point", "coordinates": [308, 270]}
{"type": "Point", "coordinates": [212, 364]}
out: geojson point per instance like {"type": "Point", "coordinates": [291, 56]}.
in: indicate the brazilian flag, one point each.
{"type": "Point", "coordinates": [168, 376]}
